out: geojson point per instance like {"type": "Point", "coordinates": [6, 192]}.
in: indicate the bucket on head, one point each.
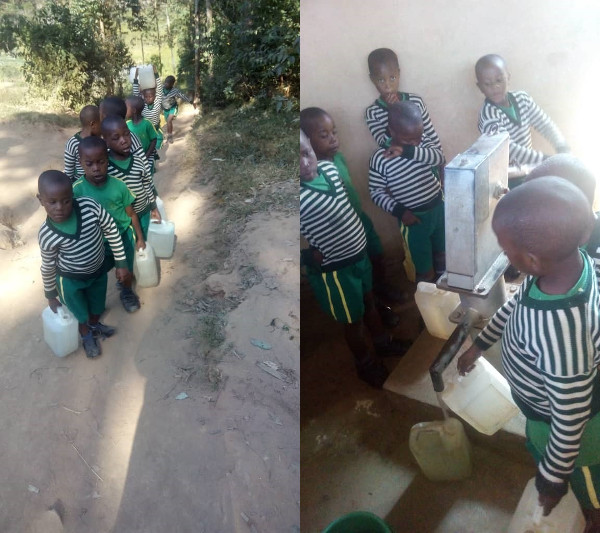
{"type": "Point", "coordinates": [435, 306]}
{"type": "Point", "coordinates": [161, 237]}
{"type": "Point", "coordinates": [145, 269]}
{"type": "Point", "coordinates": [61, 330]}
{"type": "Point", "coordinates": [566, 517]}
{"type": "Point", "coordinates": [441, 449]}
{"type": "Point", "coordinates": [482, 397]}
{"type": "Point", "coordinates": [358, 522]}
{"type": "Point", "coordinates": [146, 77]}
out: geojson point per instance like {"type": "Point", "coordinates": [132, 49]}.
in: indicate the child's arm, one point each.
{"type": "Point", "coordinates": [377, 122]}
{"type": "Point", "coordinates": [179, 94]}
{"type": "Point", "coordinates": [71, 155]}
{"type": "Point", "coordinates": [140, 243]}
{"type": "Point", "coordinates": [136, 83]}
{"type": "Point", "coordinates": [151, 148]}
{"type": "Point", "coordinates": [546, 126]}
{"type": "Point", "coordinates": [427, 152]}
{"type": "Point", "coordinates": [48, 269]}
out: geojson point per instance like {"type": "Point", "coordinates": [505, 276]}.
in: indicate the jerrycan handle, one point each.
{"type": "Point", "coordinates": [62, 314]}
{"type": "Point", "coordinates": [449, 351]}
{"type": "Point", "coordinates": [142, 253]}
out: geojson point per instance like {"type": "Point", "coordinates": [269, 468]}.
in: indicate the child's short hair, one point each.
{"type": "Point", "coordinates": [54, 177]}
{"type": "Point", "coordinates": [548, 216]}
{"type": "Point", "coordinates": [136, 102]}
{"type": "Point", "coordinates": [92, 142]}
{"type": "Point", "coordinates": [572, 169]}
{"type": "Point", "coordinates": [89, 114]}
{"type": "Point", "coordinates": [308, 116]}
{"type": "Point", "coordinates": [113, 105]}
{"type": "Point", "coordinates": [382, 56]}
{"type": "Point", "coordinates": [403, 115]}
{"type": "Point", "coordinates": [487, 60]}
{"type": "Point", "coordinates": [111, 122]}
{"type": "Point", "coordinates": [169, 80]}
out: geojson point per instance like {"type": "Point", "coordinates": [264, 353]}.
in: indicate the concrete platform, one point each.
{"type": "Point", "coordinates": [411, 379]}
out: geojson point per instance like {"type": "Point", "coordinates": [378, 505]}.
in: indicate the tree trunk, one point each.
{"type": "Point", "coordinates": [196, 48]}
{"type": "Point", "coordinates": [170, 37]}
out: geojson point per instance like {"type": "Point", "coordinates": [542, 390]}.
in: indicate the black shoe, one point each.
{"type": "Point", "coordinates": [130, 301]}
{"type": "Point", "coordinates": [91, 346]}
{"type": "Point", "coordinates": [102, 330]}
{"type": "Point", "coordinates": [388, 317]}
{"type": "Point", "coordinates": [119, 285]}
{"type": "Point", "coordinates": [373, 372]}
{"type": "Point", "coordinates": [395, 347]}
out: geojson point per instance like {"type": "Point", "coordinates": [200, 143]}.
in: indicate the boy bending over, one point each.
{"type": "Point", "coordinates": [514, 112]}
{"type": "Point", "coordinates": [550, 333]}
{"type": "Point", "coordinates": [72, 247]}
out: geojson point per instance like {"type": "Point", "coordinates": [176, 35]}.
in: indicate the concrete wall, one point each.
{"type": "Point", "coordinates": [551, 48]}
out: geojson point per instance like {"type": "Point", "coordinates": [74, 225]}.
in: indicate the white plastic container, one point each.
{"type": "Point", "coordinates": [61, 330]}
{"type": "Point", "coordinates": [435, 306]}
{"type": "Point", "coordinates": [160, 205]}
{"type": "Point", "coordinates": [441, 449]}
{"type": "Point", "coordinates": [481, 398]}
{"type": "Point", "coordinates": [144, 267]}
{"type": "Point", "coordinates": [146, 76]}
{"type": "Point", "coordinates": [566, 517]}
{"type": "Point", "coordinates": [162, 238]}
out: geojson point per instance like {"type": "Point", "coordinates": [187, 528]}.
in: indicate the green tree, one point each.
{"type": "Point", "coordinates": [73, 49]}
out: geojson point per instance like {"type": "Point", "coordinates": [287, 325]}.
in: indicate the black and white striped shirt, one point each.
{"type": "Point", "coordinates": [377, 120]}
{"type": "Point", "coordinates": [328, 221]}
{"type": "Point", "coordinates": [550, 354]}
{"type": "Point", "coordinates": [529, 115]}
{"type": "Point", "coordinates": [138, 180]}
{"type": "Point", "coordinates": [169, 99]}
{"type": "Point", "coordinates": [152, 114]}
{"type": "Point", "coordinates": [80, 255]}
{"type": "Point", "coordinates": [72, 165]}
{"type": "Point", "coordinates": [406, 181]}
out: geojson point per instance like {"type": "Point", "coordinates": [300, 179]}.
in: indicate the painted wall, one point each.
{"type": "Point", "coordinates": [551, 48]}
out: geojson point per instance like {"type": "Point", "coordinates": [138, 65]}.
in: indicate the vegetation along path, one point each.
{"type": "Point", "coordinates": [189, 420]}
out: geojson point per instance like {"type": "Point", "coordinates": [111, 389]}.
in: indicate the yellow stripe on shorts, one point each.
{"type": "Point", "coordinates": [590, 487]}
{"type": "Point", "coordinates": [409, 266]}
{"type": "Point", "coordinates": [60, 288]}
{"type": "Point", "coordinates": [324, 276]}
{"type": "Point", "coordinates": [335, 278]}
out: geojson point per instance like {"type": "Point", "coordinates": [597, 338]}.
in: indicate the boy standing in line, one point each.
{"type": "Point", "coordinates": [152, 104]}
{"type": "Point", "coordinates": [112, 194]}
{"type": "Point", "coordinates": [339, 270]}
{"type": "Point", "coordinates": [514, 112]}
{"type": "Point", "coordinates": [128, 167]}
{"type": "Point", "coordinates": [407, 187]}
{"type": "Point", "coordinates": [72, 247]}
{"type": "Point", "coordinates": [89, 116]}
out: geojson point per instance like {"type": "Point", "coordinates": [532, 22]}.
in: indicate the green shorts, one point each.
{"type": "Point", "coordinates": [422, 240]}
{"type": "Point", "coordinates": [144, 222]}
{"type": "Point", "coordinates": [373, 242]}
{"type": "Point", "coordinates": [341, 293]}
{"type": "Point", "coordinates": [128, 238]}
{"type": "Point", "coordinates": [172, 111]}
{"type": "Point", "coordinates": [83, 297]}
{"type": "Point", "coordinates": [585, 479]}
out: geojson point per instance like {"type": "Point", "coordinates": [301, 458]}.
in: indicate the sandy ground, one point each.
{"type": "Point", "coordinates": [105, 444]}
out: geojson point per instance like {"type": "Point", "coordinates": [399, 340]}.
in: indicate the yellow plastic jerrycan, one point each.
{"type": "Point", "coordinates": [441, 449]}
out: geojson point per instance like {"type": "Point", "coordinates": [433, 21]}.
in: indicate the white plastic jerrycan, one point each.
{"type": "Point", "coordinates": [160, 205]}
{"type": "Point", "coordinates": [161, 237]}
{"type": "Point", "coordinates": [566, 517]}
{"type": "Point", "coordinates": [146, 77]}
{"type": "Point", "coordinates": [144, 267]}
{"type": "Point", "coordinates": [481, 398]}
{"type": "Point", "coordinates": [441, 449]}
{"type": "Point", "coordinates": [61, 331]}
{"type": "Point", "coordinates": [435, 305]}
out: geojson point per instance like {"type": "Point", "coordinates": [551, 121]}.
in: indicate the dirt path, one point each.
{"type": "Point", "coordinates": [106, 442]}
